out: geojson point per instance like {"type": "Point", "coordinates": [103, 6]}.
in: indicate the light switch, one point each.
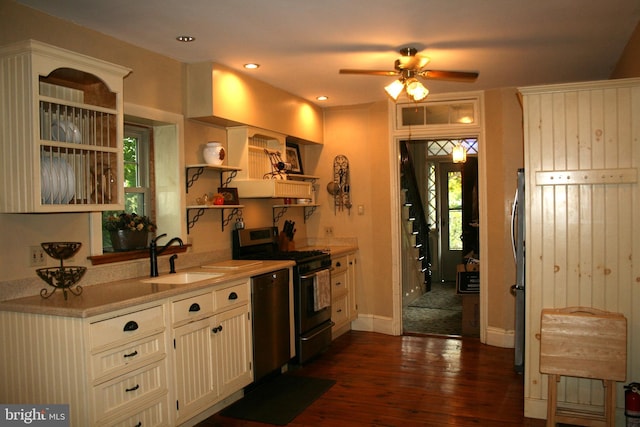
{"type": "Point", "coordinates": [360, 209]}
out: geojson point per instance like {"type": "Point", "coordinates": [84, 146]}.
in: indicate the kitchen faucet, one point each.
{"type": "Point", "coordinates": [154, 252]}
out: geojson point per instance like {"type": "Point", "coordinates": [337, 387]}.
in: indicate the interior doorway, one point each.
{"type": "Point", "coordinates": [450, 198]}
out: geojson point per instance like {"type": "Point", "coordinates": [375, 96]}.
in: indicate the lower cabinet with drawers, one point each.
{"type": "Point", "coordinates": [156, 364]}
{"type": "Point", "coordinates": [128, 366]}
{"type": "Point", "coordinates": [343, 293]}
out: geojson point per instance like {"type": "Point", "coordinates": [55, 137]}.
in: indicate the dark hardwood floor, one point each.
{"type": "Point", "coordinates": [383, 380]}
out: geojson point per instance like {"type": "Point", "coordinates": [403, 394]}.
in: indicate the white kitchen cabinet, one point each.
{"type": "Point", "coordinates": [62, 122]}
{"type": "Point", "coordinates": [213, 353]}
{"type": "Point", "coordinates": [343, 293]}
{"type": "Point", "coordinates": [111, 369]}
{"type": "Point", "coordinates": [249, 149]}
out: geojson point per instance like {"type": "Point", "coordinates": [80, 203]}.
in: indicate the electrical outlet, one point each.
{"type": "Point", "coordinates": [37, 257]}
{"type": "Point", "coordinates": [328, 231]}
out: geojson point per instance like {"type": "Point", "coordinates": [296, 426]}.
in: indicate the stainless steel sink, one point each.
{"type": "Point", "coordinates": [183, 278]}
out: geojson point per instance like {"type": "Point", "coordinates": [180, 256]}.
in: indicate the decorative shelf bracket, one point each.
{"type": "Point", "coordinates": [236, 210]}
{"type": "Point", "coordinates": [196, 174]}
{"type": "Point", "coordinates": [192, 221]}
{"type": "Point", "coordinates": [192, 177]}
{"type": "Point", "coordinates": [277, 215]}
{"type": "Point", "coordinates": [308, 211]}
{"type": "Point", "coordinates": [280, 210]}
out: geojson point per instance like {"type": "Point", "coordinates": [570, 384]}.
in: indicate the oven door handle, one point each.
{"type": "Point", "coordinates": [311, 276]}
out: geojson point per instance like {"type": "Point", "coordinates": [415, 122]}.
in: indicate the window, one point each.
{"type": "Point", "coordinates": [454, 200]}
{"type": "Point", "coordinates": [137, 166]}
{"type": "Point", "coordinates": [136, 170]}
{"type": "Point", "coordinates": [459, 114]}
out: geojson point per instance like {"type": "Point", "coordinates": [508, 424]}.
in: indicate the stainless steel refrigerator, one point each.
{"type": "Point", "coordinates": [518, 289]}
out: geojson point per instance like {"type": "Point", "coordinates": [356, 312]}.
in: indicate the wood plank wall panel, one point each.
{"type": "Point", "coordinates": [50, 347]}
{"type": "Point", "coordinates": [581, 239]}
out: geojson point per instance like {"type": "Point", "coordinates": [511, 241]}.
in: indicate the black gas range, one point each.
{"type": "Point", "coordinates": [310, 275]}
{"type": "Point", "coordinates": [262, 244]}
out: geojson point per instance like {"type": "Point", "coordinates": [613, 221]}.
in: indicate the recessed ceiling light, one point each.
{"type": "Point", "coordinates": [251, 66]}
{"type": "Point", "coordinates": [322, 98]}
{"type": "Point", "coordinates": [185, 39]}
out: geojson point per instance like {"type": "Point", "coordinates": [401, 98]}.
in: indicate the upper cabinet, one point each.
{"type": "Point", "coordinates": [61, 127]}
{"type": "Point", "coordinates": [254, 151]}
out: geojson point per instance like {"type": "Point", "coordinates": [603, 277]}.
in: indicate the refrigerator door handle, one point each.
{"type": "Point", "coordinates": [513, 225]}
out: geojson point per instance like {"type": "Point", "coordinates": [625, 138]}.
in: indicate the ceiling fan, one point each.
{"type": "Point", "coordinates": [410, 66]}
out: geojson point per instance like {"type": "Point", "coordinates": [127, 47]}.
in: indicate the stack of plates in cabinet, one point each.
{"type": "Point", "coordinates": [58, 181]}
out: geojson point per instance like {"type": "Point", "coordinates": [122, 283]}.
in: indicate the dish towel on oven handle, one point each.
{"type": "Point", "coordinates": [321, 290]}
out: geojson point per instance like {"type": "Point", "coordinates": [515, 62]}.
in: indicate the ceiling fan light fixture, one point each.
{"type": "Point", "coordinates": [416, 90]}
{"type": "Point", "coordinates": [394, 89]}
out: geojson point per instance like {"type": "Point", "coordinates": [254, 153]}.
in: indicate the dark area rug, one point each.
{"type": "Point", "coordinates": [436, 312]}
{"type": "Point", "coordinates": [279, 400]}
{"type": "Point", "coordinates": [442, 296]}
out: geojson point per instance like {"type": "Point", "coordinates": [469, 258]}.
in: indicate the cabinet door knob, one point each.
{"type": "Point", "coordinates": [194, 307]}
{"type": "Point", "coordinates": [216, 329]}
{"type": "Point", "coordinates": [130, 326]}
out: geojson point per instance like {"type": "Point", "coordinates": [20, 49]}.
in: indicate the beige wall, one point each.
{"type": "Point", "coordinates": [361, 134]}
{"type": "Point", "coordinates": [629, 63]}
{"type": "Point", "coordinates": [503, 150]}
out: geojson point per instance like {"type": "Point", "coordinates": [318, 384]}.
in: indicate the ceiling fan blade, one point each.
{"type": "Point", "coordinates": [465, 76]}
{"type": "Point", "coordinates": [371, 72]}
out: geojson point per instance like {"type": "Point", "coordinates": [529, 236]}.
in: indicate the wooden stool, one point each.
{"type": "Point", "coordinates": [585, 343]}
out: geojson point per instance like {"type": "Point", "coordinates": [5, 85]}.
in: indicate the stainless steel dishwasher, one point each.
{"type": "Point", "coordinates": [271, 322]}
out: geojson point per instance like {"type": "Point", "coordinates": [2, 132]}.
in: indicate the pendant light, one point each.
{"type": "Point", "coordinates": [459, 154]}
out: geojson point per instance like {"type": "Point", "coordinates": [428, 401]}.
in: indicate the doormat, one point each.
{"type": "Point", "coordinates": [279, 400]}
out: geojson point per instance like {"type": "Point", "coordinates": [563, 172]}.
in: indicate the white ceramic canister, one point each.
{"type": "Point", "coordinates": [214, 153]}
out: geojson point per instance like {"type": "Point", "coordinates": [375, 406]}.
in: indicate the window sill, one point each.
{"type": "Point", "coordinates": [112, 257]}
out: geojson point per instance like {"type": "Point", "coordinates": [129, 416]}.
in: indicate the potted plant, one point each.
{"type": "Point", "coordinates": [129, 231]}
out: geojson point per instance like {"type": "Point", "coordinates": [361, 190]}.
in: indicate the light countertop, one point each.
{"type": "Point", "coordinates": [107, 297]}
{"type": "Point", "coordinates": [111, 296]}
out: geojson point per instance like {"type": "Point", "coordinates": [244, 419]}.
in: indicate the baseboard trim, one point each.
{"type": "Point", "coordinates": [498, 337]}
{"type": "Point", "coordinates": [371, 323]}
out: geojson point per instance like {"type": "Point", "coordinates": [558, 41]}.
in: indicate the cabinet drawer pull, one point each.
{"type": "Point", "coordinates": [135, 353]}
{"type": "Point", "coordinates": [139, 424]}
{"type": "Point", "coordinates": [134, 388]}
{"type": "Point", "coordinates": [194, 307]}
{"type": "Point", "coordinates": [339, 310]}
{"type": "Point", "coordinates": [130, 326]}
{"type": "Point", "coordinates": [233, 296]}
